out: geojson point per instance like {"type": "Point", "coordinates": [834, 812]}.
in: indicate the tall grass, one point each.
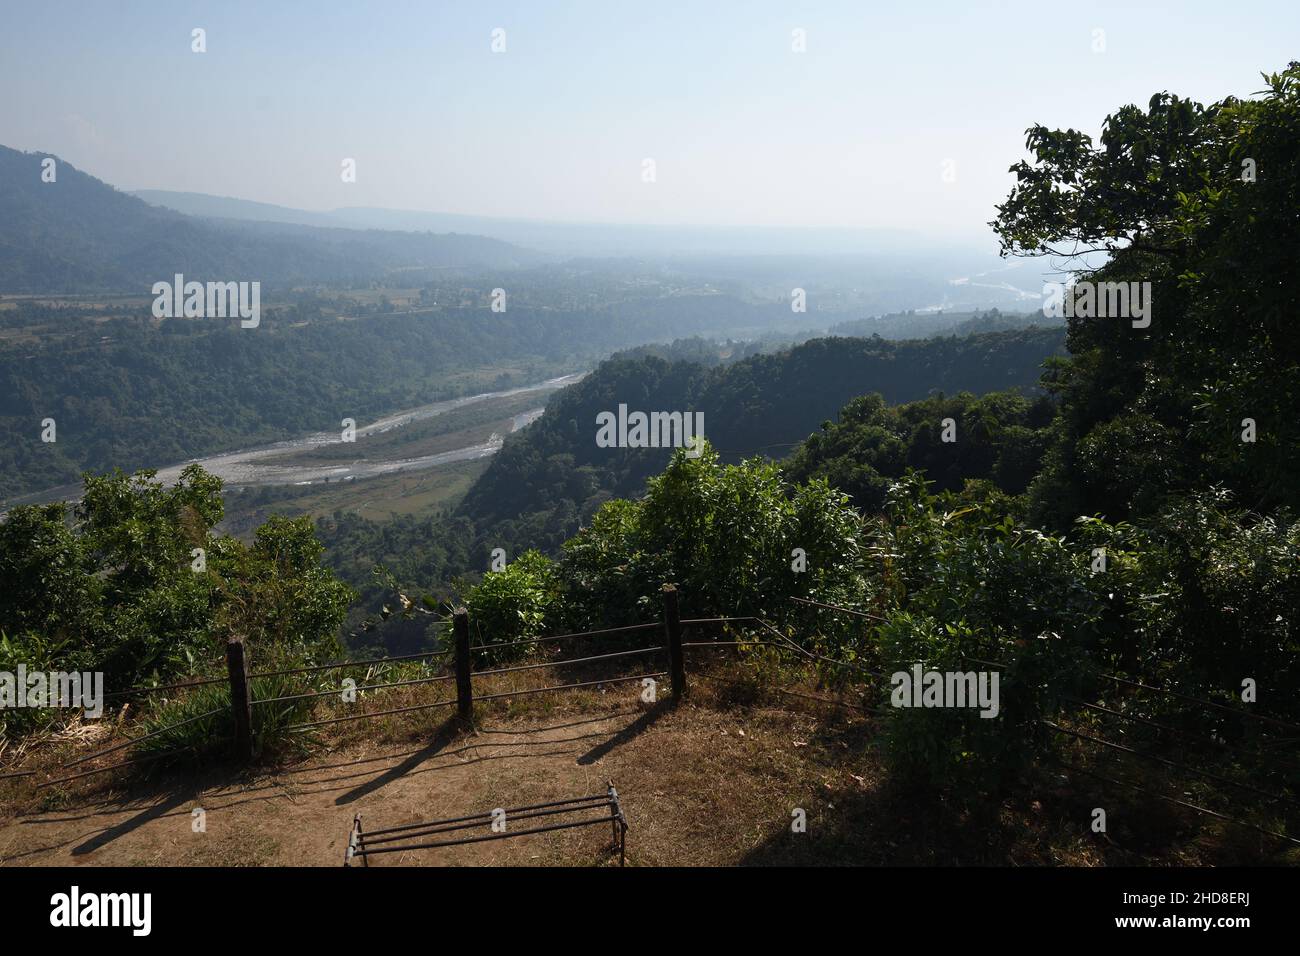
{"type": "Point", "coordinates": [199, 723]}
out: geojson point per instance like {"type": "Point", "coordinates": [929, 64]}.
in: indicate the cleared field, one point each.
{"type": "Point", "coordinates": [379, 499]}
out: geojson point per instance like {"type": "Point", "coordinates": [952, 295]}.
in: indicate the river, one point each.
{"type": "Point", "coordinates": [248, 467]}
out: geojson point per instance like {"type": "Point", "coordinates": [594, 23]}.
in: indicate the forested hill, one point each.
{"type": "Point", "coordinates": [129, 392]}
{"type": "Point", "coordinates": [764, 404]}
{"type": "Point", "coordinates": [79, 234]}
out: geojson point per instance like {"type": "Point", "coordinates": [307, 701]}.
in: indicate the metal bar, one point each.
{"type": "Point", "coordinates": [482, 839]}
{"type": "Point", "coordinates": [590, 683]}
{"type": "Point", "coordinates": [620, 825]}
{"type": "Point", "coordinates": [341, 664]}
{"type": "Point", "coordinates": [488, 814]}
{"type": "Point", "coordinates": [836, 607]}
{"type": "Point", "coordinates": [432, 828]}
{"type": "Point", "coordinates": [330, 693]}
{"type": "Point", "coordinates": [353, 840]}
{"type": "Point", "coordinates": [378, 713]}
{"type": "Point", "coordinates": [576, 660]}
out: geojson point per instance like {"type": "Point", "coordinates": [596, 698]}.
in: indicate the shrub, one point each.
{"type": "Point", "coordinates": [512, 604]}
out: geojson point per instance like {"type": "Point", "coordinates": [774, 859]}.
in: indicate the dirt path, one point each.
{"type": "Point", "coordinates": [698, 786]}
{"type": "Point", "coordinates": [301, 816]}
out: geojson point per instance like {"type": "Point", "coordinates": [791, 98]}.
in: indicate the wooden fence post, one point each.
{"type": "Point", "coordinates": [673, 638]}
{"type": "Point", "coordinates": [241, 697]}
{"type": "Point", "coordinates": [464, 689]}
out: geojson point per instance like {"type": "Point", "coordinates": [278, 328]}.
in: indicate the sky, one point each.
{"type": "Point", "coordinates": [896, 115]}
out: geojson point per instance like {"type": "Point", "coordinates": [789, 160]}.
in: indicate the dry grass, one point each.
{"type": "Point", "coordinates": [713, 781]}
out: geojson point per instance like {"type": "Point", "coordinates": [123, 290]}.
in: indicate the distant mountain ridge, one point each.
{"type": "Point", "coordinates": [573, 238]}
{"type": "Point", "coordinates": [80, 234]}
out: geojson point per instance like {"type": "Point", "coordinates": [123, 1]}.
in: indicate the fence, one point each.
{"type": "Point", "coordinates": [239, 677]}
{"type": "Point", "coordinates": [242, 701]}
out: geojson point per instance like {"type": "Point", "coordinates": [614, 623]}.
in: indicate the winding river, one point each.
{"type": "Point", "coordinates": [248, 467]}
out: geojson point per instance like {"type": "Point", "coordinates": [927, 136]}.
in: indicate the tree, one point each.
{"type": "Point", "coordinates": [1200, 202]}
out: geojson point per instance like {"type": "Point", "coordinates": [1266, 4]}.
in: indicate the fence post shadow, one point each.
{"type": "Point", "coordinates": [160, 809]}
{"type": "Point", "coordinates": [630, 732]}
{"type": "Point", "coordinates": [448, 731]}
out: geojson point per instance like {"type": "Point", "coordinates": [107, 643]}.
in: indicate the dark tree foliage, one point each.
{"type": "Point", "coordinates": [999, 437]}
{"type": "Point", "coordinates": [1201, 202]}
{"type": "Point", "coordinates": [135, 584]}
{"type": "Point", "coordinates": [764, 405]}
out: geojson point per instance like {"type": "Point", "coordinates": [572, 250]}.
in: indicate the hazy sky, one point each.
{"type": "Point", "coordinates": [743, 131]}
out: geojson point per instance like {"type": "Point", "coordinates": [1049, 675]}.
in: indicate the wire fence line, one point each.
{"type": "Point", "coordinates": [240, 678]}
{"type": "Point", "coordinates": [1117, 747]}
{"type": "Point", "coordinates": [462, 652]}
{"type": "Point", "coordinates": [1206, 811]}
{"type": "Point", "coordinates": [1204, 702]}
{"type": "Point", "coordinates": [1170, 763]}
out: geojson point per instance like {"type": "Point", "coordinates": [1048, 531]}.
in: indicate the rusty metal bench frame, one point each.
{"type": "Point", "coordinates": [396, 839]}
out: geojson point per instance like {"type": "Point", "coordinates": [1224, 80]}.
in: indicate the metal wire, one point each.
{"type": "Point", "coordinates": [1202, 701]}
{"type": "Point", "coordinates": [1170, 763]}
{"type": "Point", "coordinates": [149, 690]}
{"type": "Point", "coordinates": [151, 734]}
{"type": "Point", "coordinates": [342, 664]}
{"type": "Point", "coordinates": [565, 637]}
{"type": "Point", "coordinates": [1187, 735]}
{"type": "Point", "coordinates": [331, 693]}
{"type": "Point", "coordinates": [836, 607]}
{"type": "Point", "coordinates": [791, 693]}
{"type": "Point", "coordinates": [734, 644]}
{"type": "Point", "coordinates": [576, 660]}
{"type": "Point", "coordinates": [378, 713]}
{"type": "Point", "coordinates": [809, 654]}
{"type": "Point", "coordinates": [1181, 803]}
{"type": "Point", "coordinates": [127, 763]}
{"type": "Point", "coordinates": [1171, 693]}
{"type": "Point", "coordinates": [590, 683]}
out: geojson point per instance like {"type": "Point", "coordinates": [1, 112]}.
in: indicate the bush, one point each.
{"type": "Point", "coordinates": [512, 604]}
{"type": "Point", "coordinates": [192, 735]}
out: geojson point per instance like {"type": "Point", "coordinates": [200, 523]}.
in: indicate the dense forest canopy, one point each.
{"type": "Point", "coordinates": [1201, 202]}
{"type": "Point", "coordinates": [550, 478]}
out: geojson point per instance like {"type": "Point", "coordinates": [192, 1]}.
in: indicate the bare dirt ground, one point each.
{"type": "Point", "coordinates": [715, 781]}
{"type": "Point", "coordinates": [698, 786]}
